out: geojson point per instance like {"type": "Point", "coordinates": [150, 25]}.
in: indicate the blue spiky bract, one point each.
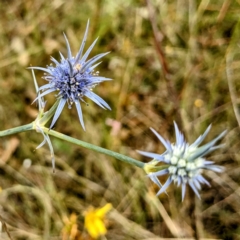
{"type": "Point", "coordinates": [73, 78]}
{"type": "Point", "coordinates": [37, 123]}
{"type": "Point", "coordinates": [184, 162]}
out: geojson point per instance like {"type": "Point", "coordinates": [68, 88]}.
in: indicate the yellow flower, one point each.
{"type": "Point", "coordinates": [94, 223]}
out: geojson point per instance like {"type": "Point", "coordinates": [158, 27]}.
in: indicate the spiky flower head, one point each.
{"type": "Point", "coordinates": [74, 78]}
{"type": "Point", "coordinates": [183, 163]}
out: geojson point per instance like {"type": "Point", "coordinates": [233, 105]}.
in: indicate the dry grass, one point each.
{"type": "Point", "coordinates": [181, 62]}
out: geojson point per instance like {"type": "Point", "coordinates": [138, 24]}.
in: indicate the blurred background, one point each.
{"type": "Point", "coordinates": [170, 61]}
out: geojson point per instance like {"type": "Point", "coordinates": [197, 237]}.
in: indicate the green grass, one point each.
{"type": "Point", "coordinates": [186, 80]}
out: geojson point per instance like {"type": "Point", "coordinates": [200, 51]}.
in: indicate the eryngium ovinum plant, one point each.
{"type": "Point", "coordinates": [73, 78]}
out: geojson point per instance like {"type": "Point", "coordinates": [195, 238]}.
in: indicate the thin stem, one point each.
{"type": "Point", "coordinates": [192, 213]}
{"type": "Point", "coordinates": [118, 156]}
{"type": "Point", "coordinates": [232, 91]}
{"type": "Point", "coordinates": [4, 225]}
{"type": "Point", "coordinates": [15, 130]}
{"type": "Point", "coordinates": [230, 54]}
{"type": "Point", "coordinates": [158, 37]}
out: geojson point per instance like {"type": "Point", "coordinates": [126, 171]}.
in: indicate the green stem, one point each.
{"type": "Point", "coordinates": [15, 130]}
{"type": "Point", "coordinates": [94, 148]}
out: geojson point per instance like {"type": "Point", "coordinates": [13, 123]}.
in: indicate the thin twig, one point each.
{"type": "Point", "coordinates": [232, 91]}
{"type": "Point", "coordinates": [158, 37]}
{"type": "Point", "coordinates": [5, 227]}
{"type": "Point", "coordinates": [172, 226]}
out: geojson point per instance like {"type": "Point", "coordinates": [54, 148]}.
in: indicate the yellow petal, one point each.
{"type": "Point", "coordinates": [101, 212]}
{"type": "Point", "coordinates": [97, 229]}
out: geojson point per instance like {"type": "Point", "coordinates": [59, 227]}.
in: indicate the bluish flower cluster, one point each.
{"type": "Point", "coordinates": [73, 78]}
{"type": "Point", "coordinates": [184, 162]}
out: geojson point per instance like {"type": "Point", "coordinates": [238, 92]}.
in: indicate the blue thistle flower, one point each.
{"type": "Point", "coordinates": [73, 78]}
{"type": "Point", "coordinates": [183, 163]}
